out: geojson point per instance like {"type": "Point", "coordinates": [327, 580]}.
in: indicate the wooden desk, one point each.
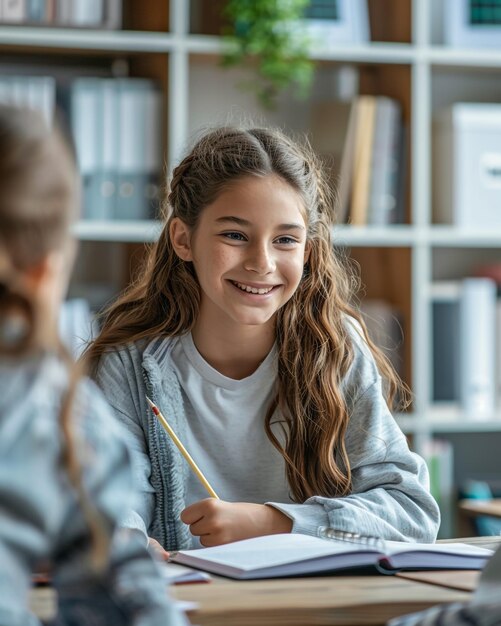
{"type": "Point", "coordinates": [337, 601]}
{"type": "Point", "coordinates": [490, 507]}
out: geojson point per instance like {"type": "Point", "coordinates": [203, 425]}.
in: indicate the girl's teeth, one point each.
{"type": "Point", "coordinates": [253, 289]}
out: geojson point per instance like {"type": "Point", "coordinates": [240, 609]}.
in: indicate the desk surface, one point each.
{"type": "Point", "coordinates": [490, 507]}
{"type": "Point", "coordinates": [337, 601]}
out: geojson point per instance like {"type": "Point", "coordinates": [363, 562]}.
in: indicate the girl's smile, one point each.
{"type": "Point", "coordinates": [253, 289]}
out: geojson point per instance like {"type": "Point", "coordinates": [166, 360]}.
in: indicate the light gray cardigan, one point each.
{"type": "Point", "coordinates": [390, 496]}
{"type": "Point", "coordinates": [40, 518]}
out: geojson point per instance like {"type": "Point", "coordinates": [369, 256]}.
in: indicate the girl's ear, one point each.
{"type": "Point", "coordinates": [180, 237]}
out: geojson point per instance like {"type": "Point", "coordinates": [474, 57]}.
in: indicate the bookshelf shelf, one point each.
{"type": "Point", "coordinates": [80, 39]}
{"type": "Point", "coordinates": [396, 235]}
{"type": "Point", "coordinates": [117, 230]}
{"type": "Point", "coordinates": [447, 236]}
{"type": "Point", "coordinates": [446, 57]}
{"type": "Point", "coordinates": [449, 418]}
{"type": "Point", "coordinates": [378, 52]}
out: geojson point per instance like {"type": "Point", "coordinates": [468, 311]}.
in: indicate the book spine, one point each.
{"type": "Point", "coordinates": [112, 15]}
{"type": "Point", "coordinates": [87, 13]}
{"type": "Point", "coordinates": [86, 119]}
{"type": "Point", "coordinates": [363, 152]}
{"type": "Point", "coordinates": [35, 11]}
{"type": "Point", "coordinates": [14, 11]}
{"type": "Point", "coordinates": [347, 165]}
{"type": "Point", "coordinates": [384, 162]}
{"type": "Point", "coordinates": [446, 350]}
{"type": "Point", "coordinates": [478, 340]}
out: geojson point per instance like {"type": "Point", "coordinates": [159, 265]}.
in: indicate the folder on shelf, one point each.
{"type": "Point", "coordinates": [13, 11]}
{"type": "Point", "coordinates": [35, 92]}
{"type": "Point", "coordinates": [86, 119]}
{"type": "Point", "coordinates": [384, 183]}
{"type": "Point", "coordinates": [477, 324]}
{"type": "Point", "coordinates": [64, 12]}
{"type": "Point", "coordinates": [35, 11]}
{"type": "Point", "coordinates": [139, 155]}
{"type": "Point", "coordinates": [109, 147]}
{"type": "Point", "coordinates": [116, 125]}
{"type": "Point", "coordinates": [112, 18]}
{"type": "Point", "coordinates": [87, 13]}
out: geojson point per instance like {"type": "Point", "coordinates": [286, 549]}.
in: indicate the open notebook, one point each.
{"type": "Point", "coordinates": [276, 556]}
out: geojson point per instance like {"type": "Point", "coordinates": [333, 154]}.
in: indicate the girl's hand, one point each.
{"type": "Point", "coordinates": [217, 522]}
{"type": "Point", "coordinates": [156, 549]}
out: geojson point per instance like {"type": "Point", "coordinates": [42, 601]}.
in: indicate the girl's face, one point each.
{"type": "Point", "coordinates": [248, 250]}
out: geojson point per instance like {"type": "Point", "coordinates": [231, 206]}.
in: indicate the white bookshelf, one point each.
{"type": "Point", "coordinates": [199, 92]}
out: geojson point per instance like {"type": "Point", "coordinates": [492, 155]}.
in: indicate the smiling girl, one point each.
{"type": "Point", "coordinates": [241, 331]}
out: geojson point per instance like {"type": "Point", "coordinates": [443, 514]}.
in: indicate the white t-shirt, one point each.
{"type": "Point", "coordinates": [225, 429]}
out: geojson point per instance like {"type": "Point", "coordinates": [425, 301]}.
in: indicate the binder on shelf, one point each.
{"type": "Point", "coordinates": [116, 127]}
{"type": "Point", "coordinates": [446, 350]}
{"type": "Point", "coordinates": [153, 151]}
{"type": "Point", "coordinates": [112, 18]}
{"type": "Point", "coordinates": [477, 322]}
{"type": "Point", "coordinates": [87, 13]}
{"type": "Point", "coordinates": [384, 184]}
{"type": "Point", "coordinates": [64, 12]}
{"type": "Point", "coordinates": [36, 92]}
{"type": "Point", "coordinates": [107, 182]}
{"type": "Point", "coordinates": [13, 11]}
{"type": "Point", "coordinates": [139, 154]}
{"type": "Point", "coordinates": [86, 119]}
{"type": "Point", "coordinates": [35, 11]}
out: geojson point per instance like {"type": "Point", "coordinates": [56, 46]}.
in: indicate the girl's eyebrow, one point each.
{"type": "Point", "coordinates": [241, 222]}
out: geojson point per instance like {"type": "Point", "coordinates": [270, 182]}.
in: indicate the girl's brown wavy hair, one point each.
{"type": "Point", "coordinates": [39, 197]}
{"type": "Point", "coordinates": [314, 346]}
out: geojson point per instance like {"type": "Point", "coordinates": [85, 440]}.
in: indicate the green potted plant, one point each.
{"type": "Point", "coordinates": [268, 32]}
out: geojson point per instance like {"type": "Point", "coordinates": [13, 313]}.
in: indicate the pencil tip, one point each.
{"type": "Point", "coordinates": [149, 401]}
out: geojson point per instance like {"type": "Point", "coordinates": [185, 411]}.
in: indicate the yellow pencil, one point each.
{"type": "Point", "coordinates": [182, 449]}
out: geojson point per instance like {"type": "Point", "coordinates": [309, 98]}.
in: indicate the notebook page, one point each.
{"type": "Point", "coordinates": [271, 551]}
{"type": "Point", "coordinates": [425, 555]}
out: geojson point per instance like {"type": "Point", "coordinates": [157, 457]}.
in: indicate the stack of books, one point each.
{"type": "Point", "coordinates": [105, 14]}
{"type": "Point", "coordinates": [364, 141]}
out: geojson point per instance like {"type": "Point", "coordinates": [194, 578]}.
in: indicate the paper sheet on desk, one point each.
{"type": "Point", "coordinates": [175, 574]}
{"type": "Point", "coordinates": [489, 587]}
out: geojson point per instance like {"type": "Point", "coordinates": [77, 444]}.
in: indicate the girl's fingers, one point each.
{"type": "Point", "coordinates": [157, 549]}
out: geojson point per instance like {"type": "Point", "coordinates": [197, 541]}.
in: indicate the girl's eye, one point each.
{"type": "Point", "coordinates": [234, 236]}
{"type": "Point", "coordinates": [285, 240]}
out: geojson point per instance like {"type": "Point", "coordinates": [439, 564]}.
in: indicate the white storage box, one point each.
{"type": "Point", "coordinates": [467, 166]}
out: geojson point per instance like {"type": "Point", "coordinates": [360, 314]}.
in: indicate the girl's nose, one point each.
{"type": "Point", "coordinates": [260, 260]}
